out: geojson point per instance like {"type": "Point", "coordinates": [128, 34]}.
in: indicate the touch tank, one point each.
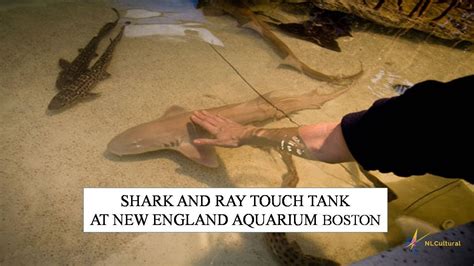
{"type": "Point", "coordinates": [329, 57]}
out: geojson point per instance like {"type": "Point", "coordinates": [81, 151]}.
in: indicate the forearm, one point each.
{"type": "Point", "coordinates": [284, 139]}
{"type": "Point", "coordinates": [322, 142]}
{"type": "Point", "coordinates": [326, 142]}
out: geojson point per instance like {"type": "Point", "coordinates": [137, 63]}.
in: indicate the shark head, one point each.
{"type": "Point", "coordinates": [58, 102]}
{"type": "Point", "coordinates": [172, 131]}
{"type": "Point", "coordinates": [140, 139]}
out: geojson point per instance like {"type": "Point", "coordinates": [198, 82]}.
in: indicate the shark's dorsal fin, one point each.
{"type": "Point", "coordinates": [173, 110]}
{"type": "Point", "coordinates": [105, 75]}
{"type": "Point", "coordinates": [205, 155]}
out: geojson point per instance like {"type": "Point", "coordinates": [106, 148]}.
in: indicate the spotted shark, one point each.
{"type": "Point", "coordinates": [289, 252]}
{"type": "Point", "coordinates": [72, 70]}
{"type": "Point", "coordinates": [175, 131]}
{"type": "Point", "coordinates": [81, 86]}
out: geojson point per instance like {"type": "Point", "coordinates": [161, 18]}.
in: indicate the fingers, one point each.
{"type": "Point", "coordinates": [223, 119]}
{"type": "Point", "coordinates": [202, 120]}
{"type": "Point", "coordinates": [206, 142]}
{"type": "Point", "coordinates": [215, 142]}
{"type": "Point", "coordinates": [208, 117]}
{"type": "Point", "coordinates": [209, 121]}
{"type": "Point", "coordinates": [215, 119]}
{"type": "Point", "coordinates": [211, 118]}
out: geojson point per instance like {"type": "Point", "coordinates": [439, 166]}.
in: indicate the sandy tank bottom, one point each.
{"type": "Point", "coordinates": [47, 160]}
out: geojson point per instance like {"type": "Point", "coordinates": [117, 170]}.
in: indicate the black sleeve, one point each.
{"type": "Point", "coordinates": [426, 130]}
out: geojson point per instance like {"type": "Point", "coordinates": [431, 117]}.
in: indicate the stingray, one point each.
{"type": "Point", "coordinates": [323, 28]}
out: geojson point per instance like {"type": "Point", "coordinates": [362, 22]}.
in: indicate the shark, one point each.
{"type": "Point", "coordinates": [290, 252]}
{"type": "Point", "coordinates": [248, 19]}
{"type": "Point", "coordinates": [175, 131]}
{"type": "Point", "coordinates": [72, 70]}
{"type": "Point", "coordinates": [80, 87]}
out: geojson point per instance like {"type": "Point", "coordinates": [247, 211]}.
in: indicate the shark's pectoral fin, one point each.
{"type": "Point", "coordinates": [90, 96]}
{"type": "Point", "coordinates": [105, 75]}
{"type": "Point", "coordinates": [64, 64]}
{"type": "Point", "coordinates": [204, 155]}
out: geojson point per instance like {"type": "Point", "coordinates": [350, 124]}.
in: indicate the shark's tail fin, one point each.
{"type": "Point", "coordinates": [116, 13]}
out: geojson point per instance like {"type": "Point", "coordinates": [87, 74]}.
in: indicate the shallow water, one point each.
{"type": "Point", "coordinates": [47, 160]}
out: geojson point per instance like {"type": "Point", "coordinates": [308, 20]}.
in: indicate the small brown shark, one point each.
{"type": "Point", "coordinates": [82, 85]}
{"type": "Point", "coordinates": [175, 131]}
{"type": "Point", "coordinates": [290, 253]}
{"type": "Point", "coordinates": [248, 19]}
{"type": "Point", "coordinates": [72, 70]}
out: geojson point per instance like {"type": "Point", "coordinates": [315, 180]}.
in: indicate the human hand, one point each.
{"type": "Point", "coordinates": [227, 133]}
